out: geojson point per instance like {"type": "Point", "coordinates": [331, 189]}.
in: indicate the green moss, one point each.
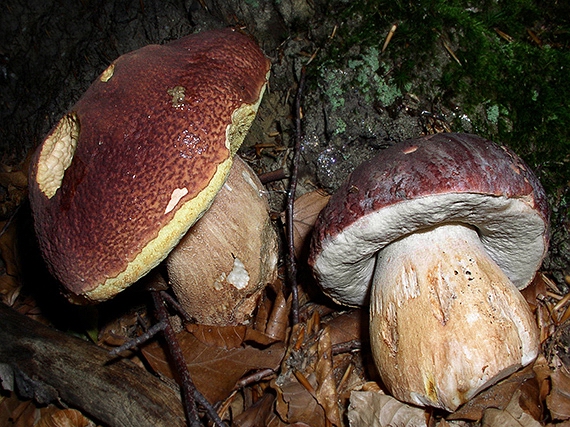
{"type": "Point", "coordinates": [340, 126]}
{"type": "Point", "coordinates": [512, 80]}
{"type": "Point", "coordinates": [332, 86]}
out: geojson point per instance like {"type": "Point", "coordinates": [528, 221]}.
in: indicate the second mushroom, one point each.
{"type": "Point", "coordinates": [437, 235]}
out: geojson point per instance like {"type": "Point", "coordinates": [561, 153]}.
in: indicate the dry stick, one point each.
{"type": "Point", "coordinates": [180, 367]}
{"type": "Point", "coordinates": [292, 265]}
{"type": "Point", "coordinates": [135, 342]}
{"type": "Point", "coordinates": [189, 392]}
{"type": "Point", "coordinates": [276, 175]}
{"type": "Point", "coordinates": [169, 299]}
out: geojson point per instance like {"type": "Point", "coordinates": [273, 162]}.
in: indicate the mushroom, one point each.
{"type": "Point", "coordinates": [438, 235]}
{"type": "Point", "coordinates": [141, 156]}
{"type": "Point", "coordinates": [227, 282]}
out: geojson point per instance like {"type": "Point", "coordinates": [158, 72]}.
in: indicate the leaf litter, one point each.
{"type": "Point", "coordinates": [315, 373]}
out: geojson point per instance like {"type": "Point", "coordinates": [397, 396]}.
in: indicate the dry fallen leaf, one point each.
{"type": "Point", "coordinates": [9, 270]}
{"type": "Point", "coordinates": [307, 209]}
{"type": "Point", "coordinates": [326, 391]}
{"type": "Point", "coordinates": [307, 386]}
{"type": "Point", "coordinates": [500, 395]}
{"type": "Point", "coordinates": [295, 403]}
{"type": "Point", "coordinates": [257, 414]}
{"type": "Point", "coordinates": [215, 370]}
{"type": "Point", "coordinates": [558, 401]}
{"type": "Point", "coordinates": [376, 409]}
{"type": "Point", "coordinates": [55, 417]}
{"type": "Point", "coordinates": [512, 416]}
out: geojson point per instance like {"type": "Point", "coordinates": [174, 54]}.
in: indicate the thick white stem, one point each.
{"type": "Point", "coordinates": [445, 321]}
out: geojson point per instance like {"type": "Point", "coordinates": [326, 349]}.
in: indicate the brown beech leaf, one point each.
{"type": "Point", "coordinates": [227, 337]}
{"type": "Point", "coordinates": [306, 388]}
{"type": "Point", "coordinates": [348, 326]}
{"type": "Point", "coordinates": [326, 391]}
{"type": "Point", "coordinates": [257, 414]}
{"type": "Point", "coordinates": [306, 210]}
{"type": "Point", "coordinates": [376, 409]}
{"type": "Point", "coordinates": [523, 383]}
{"type": "Point", "coordinates": [558, 401]}
{"type": "Point", "coordinates": [17, 413]}
{"type": "Point", "coordinates": [295, 403]}
{"type": "Point", "coordinates": [513, 415]}
{"type": "Point", "coordinates": [55, 417]}
{"type": "Point", "coordinates": [215, 370]}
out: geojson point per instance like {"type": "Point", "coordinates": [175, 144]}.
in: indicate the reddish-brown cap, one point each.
{"type": "Point", "coordinates": [425, 182]}
{"type": "Point", "coordinates": [139, 158]}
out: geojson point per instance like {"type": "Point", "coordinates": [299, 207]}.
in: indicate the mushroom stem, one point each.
{"type": "Point", "coordinates": [445, 321]}
{"type": "Point", "coordinates": [221, 266]}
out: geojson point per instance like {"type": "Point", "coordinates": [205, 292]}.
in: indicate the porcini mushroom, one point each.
{"type": "Point", "coordinates": [438, 234]}
{"type": "Point", "coordinates": [227, 282]}
{"type": "Point", "coordinates": [141, 156]}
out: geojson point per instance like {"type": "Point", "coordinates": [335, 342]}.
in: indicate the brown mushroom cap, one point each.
{"type": "Point", "coordinates": [140, 156]}
{"type": "Point", "coordinates": [422, 183]}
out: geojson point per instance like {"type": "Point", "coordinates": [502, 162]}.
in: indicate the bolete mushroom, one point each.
{"type": "Point", "coordinates": [141, 156]}
{"type": "Point", "coordinates": [438, 234]}
{"type": "Point", "coordinates": [227, 282]}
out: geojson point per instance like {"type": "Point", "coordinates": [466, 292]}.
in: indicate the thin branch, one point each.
{"type": "Point", "coordinates": [169, 299]}
{"type": "Point", "coordinates": [186, 383]}
{"type": "Point", "coordinates": [254, 378]}
{"type": "Point", "coordinates": [346, 347]}
{"type": "Point", "coordinates": [135, 342]}
{"type": "Point", "coordinates": [276, 175]}
{"type": "Point", "coordinates": [190, 395]}
{"type": "Point", "coordinates": [291, 264]}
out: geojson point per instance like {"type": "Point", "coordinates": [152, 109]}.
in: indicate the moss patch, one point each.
{"type": "Point", "coordinates": [506, 64]}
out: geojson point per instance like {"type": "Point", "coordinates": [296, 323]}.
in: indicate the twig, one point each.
{"type": "Point", "coordinates": [291, 264]}
{"type": "Point", "coordinates": [346, 347]}
{"type": "Point", "coordinates": [389, 37]}
{"type": "Point", "coordinates": [135, 342]}
{"type": "Point", "coordinates": [190, 395]}
{"type": "Point", "coordinates": [186, 384]}
{"type": "Point", "coordinates": [176, 306]}
{"type": "Point", "coordinates": [276, 175]}
{"type": "Point", "coordinates": [254, 378]}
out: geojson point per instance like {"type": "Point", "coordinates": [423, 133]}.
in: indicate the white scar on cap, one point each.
{"type": "Point", "coordinates": [175, 197]}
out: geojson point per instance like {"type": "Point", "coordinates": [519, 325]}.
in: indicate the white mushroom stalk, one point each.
{"type": "Point", "coordinates": [445, 321]}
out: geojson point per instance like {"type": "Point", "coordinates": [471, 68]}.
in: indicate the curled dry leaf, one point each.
{"type": "Point", "coordinates": [9, 270]}
{"type": "Point", "coordinates": [511, 416]}
{"type": "Point", "coordinates": [326, 392]}
{"type": "Point", "coordinates": [558, 401]}
{"type": "Point", "coordinates": [307, 208]}
{"type": "Point", "coordinates": [307, 387]}
{"type": "Point", "coordinates": [295, 403]}
{"type": "Point", "coordinates": [14, 412]}
{"type": "Point", "coordinates": [349, 326]}
{"type": "Point", "coordinates": [270, 325]}
{"type": "Point", "coordinates": [376, 409]}
{"type": "Point", "coordinates": [14, 181]}
{"type": "Point", "coordinates": [257, 414]}
{"type": "Point", "coordinates": [523, 383]}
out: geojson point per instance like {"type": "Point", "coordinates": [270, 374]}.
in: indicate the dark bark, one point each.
{"type": "Point", "coordinates": [50, 366]}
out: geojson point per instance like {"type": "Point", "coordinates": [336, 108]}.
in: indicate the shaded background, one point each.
{"type": "Point", "coordinates": [499, 69]}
